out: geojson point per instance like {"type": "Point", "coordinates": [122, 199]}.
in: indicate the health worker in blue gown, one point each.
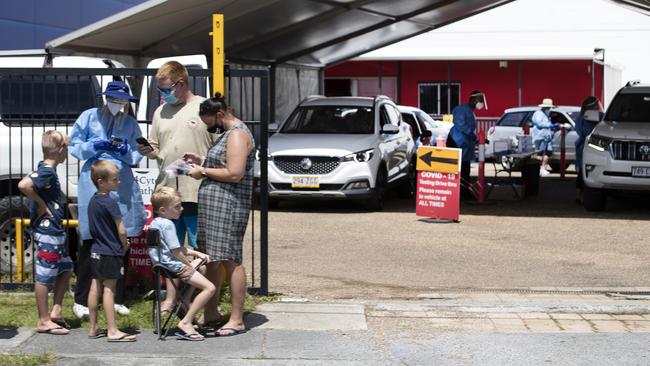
{"type": "Point", "coordinates": [106, 133]}
{"type": "Point", "coordinates": [109, 133]}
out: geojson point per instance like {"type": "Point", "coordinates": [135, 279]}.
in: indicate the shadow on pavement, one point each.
{"type": "Point", "coordinates": [556, 198]}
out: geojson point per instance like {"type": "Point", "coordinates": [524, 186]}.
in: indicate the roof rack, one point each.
{"type": "Point", "coordinates": [377, 97]}
{"type": "Point", "coordinates": [633, 82]}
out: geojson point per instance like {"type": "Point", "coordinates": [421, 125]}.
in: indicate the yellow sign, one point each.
{"type": "Point", "coordinates": [439, 159]}
{"type": "Point", "coordinates": [218, 58]}
{"type": "Point", "coordinates": [447, 118]}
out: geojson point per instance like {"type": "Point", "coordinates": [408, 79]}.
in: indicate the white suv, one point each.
{"type": "Point", "coordinates": [341, 148]}
{"type": "Point", "coordinates": [513, 120]}
{"type": "Point", "coordinates": [617, 153]}
{"type": "Point", "coordinates": [31, 103]}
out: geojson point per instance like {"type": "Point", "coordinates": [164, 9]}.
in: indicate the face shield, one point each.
{"type": "Point", "coordinates": [481, 100]}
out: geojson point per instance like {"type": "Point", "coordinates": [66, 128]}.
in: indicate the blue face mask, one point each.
{"type": "Point", "coordinates": [170, 97]}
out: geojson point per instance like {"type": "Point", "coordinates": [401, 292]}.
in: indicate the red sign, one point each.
{"type": "Point", "coordinates": [139, 261]}
{"type": "Point", "coordinates": [438, 195]}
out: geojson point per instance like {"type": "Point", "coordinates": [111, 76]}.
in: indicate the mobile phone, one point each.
{"type": "Point", "coordinates": [143, 141]}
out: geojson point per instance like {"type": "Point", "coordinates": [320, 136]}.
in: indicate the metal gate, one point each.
{"type": "Point", "coordinates": [33, 100]}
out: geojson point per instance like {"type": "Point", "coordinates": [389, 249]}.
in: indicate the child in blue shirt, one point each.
{"type": "Point", "coordinates": [167, 205]}
{"type": "Point", "coordinates": [106, 251]}
{"type": "Point", "coordinates": [53, 263]}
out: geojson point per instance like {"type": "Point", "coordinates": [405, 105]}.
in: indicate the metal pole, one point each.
{"type": "Point", "coordinates": [481, 165]}
{"type": "Point", "coordinates": [562, 152]}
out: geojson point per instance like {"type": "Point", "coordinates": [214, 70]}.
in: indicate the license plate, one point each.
{"type": "Point", "coordinates": [641, 171]}
{"type": "Point", "coordinates": [305, 182]}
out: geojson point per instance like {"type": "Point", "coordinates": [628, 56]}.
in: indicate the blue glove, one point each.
{"type": "Point", "coordinates": [103, 145]}
{"type": "Point", "coordinates": [123, 148]}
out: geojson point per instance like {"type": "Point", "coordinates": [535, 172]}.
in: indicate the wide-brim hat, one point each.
{"type": "Point", "coordinates": [119, 90]}
{"type": "Point", "coordinates": [547, 103]}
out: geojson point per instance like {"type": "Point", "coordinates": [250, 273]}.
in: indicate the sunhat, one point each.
{"type": "Point", "coordinates": [547, 103]}
{"type": "Point", "coordinates": [119, 90]}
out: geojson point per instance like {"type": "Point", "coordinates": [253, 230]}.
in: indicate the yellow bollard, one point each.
{"type": "Point", "coordinates": [20, 250]}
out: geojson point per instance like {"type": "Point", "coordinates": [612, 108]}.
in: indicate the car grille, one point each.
{"type": "Point", "coordinates": [323, 187]}
{"type": "Point", "coordinates": [631, 150]}
{"type": "Point", "coordinates": [293, 164]}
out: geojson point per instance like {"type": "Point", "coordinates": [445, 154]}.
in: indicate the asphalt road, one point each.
{"type": "Point", "coordinates": [337, 250]}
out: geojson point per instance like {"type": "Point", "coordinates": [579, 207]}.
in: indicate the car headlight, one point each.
{"type": "Point", "coordinates": [598, 142]}
{"type": "Point", "coordinates": [360, 156]}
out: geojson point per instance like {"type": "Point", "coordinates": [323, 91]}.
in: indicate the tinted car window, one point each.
{"type": "Point", "coordinates": [629, 108]}
{"type": "Point", "coordinates": [426, 119]}
{"type": "Point", "coordinates": [408, 118]}
{"type": "Point", "coordinates": [47, 97]}
{"type": "Point", "coordinates": [330, 119]}
{"type": "Point", "coordinates": [513, 119]}
{"type": "Point", "coordinates": [573, 115]}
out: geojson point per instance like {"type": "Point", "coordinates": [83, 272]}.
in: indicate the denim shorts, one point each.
{"type": "Point", "coordinates": [543, 147]}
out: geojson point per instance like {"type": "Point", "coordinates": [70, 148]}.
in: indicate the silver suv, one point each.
{"type": "Point", "coordinates": [341, 148]}
{"type": "Point", "coordinates": [617, 153]}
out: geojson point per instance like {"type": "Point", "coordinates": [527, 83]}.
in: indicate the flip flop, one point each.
{"type": "Point", "coordinates": [100, 334]}
{"type": "Point", "coordinates": [231, 332]}
{"type": "Point", "coordinates": [54, 331]}
{"type": "Point", "coordinates": [192, 337]}
{"type": "Point", "coordinates": [61, 322]}
{"type": "Point", "coordinates": [211, 324]}
{"type": "Point", "coordinates": [124, 338]}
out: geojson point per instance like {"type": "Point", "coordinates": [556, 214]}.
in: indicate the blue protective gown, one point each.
{"type": "Point", "coordinates": [542, 127]}
{"type": "Point", "coordinates": [583, 129]}
{"type": "Point", "coordinates": [464, 130]}
{"type": "Point", "coordinates": [99, 124]}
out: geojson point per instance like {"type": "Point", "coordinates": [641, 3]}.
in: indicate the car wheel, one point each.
{"type": "Point", "coordinates": [12, 207]}
{"type": "Point", "coordinates": [273, 203]}
{"type": "Point", "coordinates": [507, 162]}
{"type": "Point", "coordinates": [376, 202]}
{"type": "Point", "coordinates": [407, 188]}
{"type": "Point", "coordinates": [594, 199]}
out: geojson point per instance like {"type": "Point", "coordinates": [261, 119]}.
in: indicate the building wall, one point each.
{"type": "Point", "coordinates": [28, 24]}
{"type": "Point", "coordinates": [567, 82]}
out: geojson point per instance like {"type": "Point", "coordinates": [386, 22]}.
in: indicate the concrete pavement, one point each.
{"type": "Point", "coordinates": [484, 327]}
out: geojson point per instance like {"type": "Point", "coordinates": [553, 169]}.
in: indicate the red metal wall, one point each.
{"type": "Point", "coordinates": [567, 82]}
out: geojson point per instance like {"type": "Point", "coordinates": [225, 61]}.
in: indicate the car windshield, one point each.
{"type": "Point", "coordinates": [331, 119]}
{"type": "Point", "coordinates": [513, 119]}
{"type": "Point", "coordinates": [574, 115]}
{"type": "Point", "coordinates": [629, 108]}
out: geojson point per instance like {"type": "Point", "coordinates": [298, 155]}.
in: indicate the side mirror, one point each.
{"type": "Point", "coordinates": [273, 127]}
{"type": "Point", "coordinates": [592, 116]}
{"type": "Point", "coordinates": [567, 126]}
{"type": "Point", "coordinates": [389, 129]}
{"type": "Point", "coordinates": [426, 133]}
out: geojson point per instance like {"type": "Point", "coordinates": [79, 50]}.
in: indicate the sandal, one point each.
{"type": "Point", "coordinates": [61, 322]}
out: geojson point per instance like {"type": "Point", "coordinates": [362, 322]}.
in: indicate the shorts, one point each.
{"type": "Point", "coordinates": [106, 267]}
{"type": "Point", "coordinates": [186, 273]}
{"type": "Point", "coordinates": [543, 147]}
{"type": "Point", "coordinates": [187, 223]}
{"type": "Point", "coordinates": [52, 258]}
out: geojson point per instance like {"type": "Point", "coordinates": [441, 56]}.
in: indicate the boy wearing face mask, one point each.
{"type": "Point", "coordinates": [462, 135]}
{"type": "Point", "coordinates": [176, 129]}
{"type": "Point", "coordinates": [106, 133]}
